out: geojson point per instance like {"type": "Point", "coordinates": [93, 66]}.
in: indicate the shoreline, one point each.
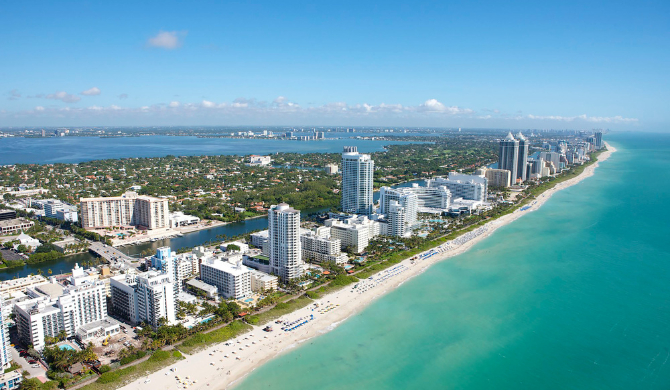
{"type": "Point", "coordinates": [222, 366]}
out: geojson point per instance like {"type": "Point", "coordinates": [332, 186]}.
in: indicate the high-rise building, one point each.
{"type": "Point", "coordinates": [397, 216]}
{"type": "Point", "coordinates": [523, 158]}
{"type": "Point", "coordinates": [508, 157]}
{"type": "Point", "coordinates": [405, 197]}
{"type": "Point", "coordinates": [357, 175]}
{"type": "Point", "coordinates": [599, 139]}
{"type": "Point", "coordinates": [56, 307]}
{"type": "Point", "coordinates": [5, 355]}
{"type": "Point", "coordinates": [146, 297]}
{"type": "Point", "coordinates": [284, 241]}
{"type": "Point", "coordinates": [128, 209]}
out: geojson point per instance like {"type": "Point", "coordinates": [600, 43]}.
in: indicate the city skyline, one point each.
{"type": "Point", "coordinates": [485, 65]}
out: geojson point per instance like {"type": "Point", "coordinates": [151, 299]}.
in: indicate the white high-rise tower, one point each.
{"type": "Point", "coordinates": [357, 173]}
{"type": "Point", "coordinates": [284, 241]}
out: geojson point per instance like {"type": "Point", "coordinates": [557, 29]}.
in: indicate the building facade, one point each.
{"type": "Point", "coordinates": [145, 297]}
{"type": "Point", "coordinates": [5, 355]}
{"type": "Point", "coordinates": [354, 233]}
{"type": "Point", "coordinates": [321, 249]}
{"type": "Point", "coordinates": [357, 176]}
{"type": "Point", "coordinates": [233, 281]}
{"type": "Point", "coordinates": [284, 242]}
{"type": "Point", "coordinates": [522, 159]}
{"type": "Point", "coordinates": [405, 197]}
{"type": "Point", "coordinates": [128, 209]}
{"type": "Point", "coordinates": [82, 302]}
{"type": "Point", "coordinates": [508, 157]}
{"type": "Point", "coordinates": [470, 187]}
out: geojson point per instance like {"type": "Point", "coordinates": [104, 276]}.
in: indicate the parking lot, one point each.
{"type": "Point", "coordinates": [34, 369]}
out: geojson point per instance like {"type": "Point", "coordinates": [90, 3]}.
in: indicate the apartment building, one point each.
{"type": "Point", "coordinates": [129, 209]}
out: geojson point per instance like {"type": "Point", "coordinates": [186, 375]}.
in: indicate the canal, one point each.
{"type": "Point", "coordinates": [201, 237]}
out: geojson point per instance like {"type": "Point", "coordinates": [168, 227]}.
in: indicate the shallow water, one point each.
{"type": "Point", "coordinates": [572, 296]}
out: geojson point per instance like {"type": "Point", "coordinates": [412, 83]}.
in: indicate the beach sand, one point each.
{"type": "Point", "coordinates": [211, 369]}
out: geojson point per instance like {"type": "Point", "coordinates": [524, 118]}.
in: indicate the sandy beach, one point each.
{"type": "Point", "coordinates": [223, 365]}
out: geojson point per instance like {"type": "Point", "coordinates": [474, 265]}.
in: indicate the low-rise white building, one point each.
{"type": "Point", "coordinates": [259, 160]}
{"type": "Point", "coordinates": [27, 241]}
{"type": "Point", "coordinates": [332, 169]}
{"type": "Point", "coordinates": [178, 218]}
{"type": "Point", "coordinates": [321, 249]}
{"type": "Point", "coordinates": [260, 281]}
{"type": "Point", "coordinates": [231, 280]}
{"type": "Point", "coordinates": [354, 232]}
{"type": "Point", "coordinates": [260, 240]}
{"type": "Point", "coordinates": [244, 248]}
{"type": "Point", "coordinates": [470, 187]}
{"type": "Point", "coordinates": [7, 287]}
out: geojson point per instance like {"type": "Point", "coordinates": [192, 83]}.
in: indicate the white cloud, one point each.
{"type": "Point", "coordinates": [123, 96]}
{"type": "Point", "coordinates": [432, 105]}
{"type": "Point", "coordinates": [91, 92]}
{"type": "Point", "coordinates": [167, 40]}
{"type": "Point", "coordinates": [63, 96]}
{"type": "Point", "coordinates": [583, 117]}
{"type": "Point", "coordinates": [283, 111]}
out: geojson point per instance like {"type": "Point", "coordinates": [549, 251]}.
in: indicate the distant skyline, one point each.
{"type": "Point", "coordinates": [567, 65]}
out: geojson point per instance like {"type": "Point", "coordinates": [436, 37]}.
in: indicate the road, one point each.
{"type": "Point", "coordinates": [111, 254]}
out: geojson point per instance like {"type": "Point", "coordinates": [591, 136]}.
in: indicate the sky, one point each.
{"type": "Point", "coordinates": [534, 64]}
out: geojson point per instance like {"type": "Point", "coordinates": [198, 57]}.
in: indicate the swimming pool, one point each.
{"type": "Point", "coordinates": [66, 347]}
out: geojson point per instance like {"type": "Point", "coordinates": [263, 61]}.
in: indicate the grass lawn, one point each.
{"type": "Point", "coordinates": [202, 340]}
{"type": "Point", "coordinates": [117, 378]}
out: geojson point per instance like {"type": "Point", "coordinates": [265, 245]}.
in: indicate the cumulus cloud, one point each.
{"type": "Point", "coordinates": [63, 96]}
{"type": "Point", "coordinates": [123, 96]}
{"type": "Point", "coordinates": [167, 40]}
{"type": "Point", "coordinates": [432, 105]}
{"type": "Point", "coordinates": [282, 110]}
{"type": "Point", "coordinates": [14, 94]}
{"type": "Point", "coordinates": [91, 91]}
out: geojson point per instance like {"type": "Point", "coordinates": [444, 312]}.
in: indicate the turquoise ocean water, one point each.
{"type": "Point", "coordinates": [573, 296]}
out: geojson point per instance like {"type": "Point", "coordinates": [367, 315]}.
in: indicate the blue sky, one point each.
{"type": "Point", "coordinates": [529, 64]}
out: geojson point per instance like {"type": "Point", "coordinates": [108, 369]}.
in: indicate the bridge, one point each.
{"type": "Point", "coordinates": [111, 254]}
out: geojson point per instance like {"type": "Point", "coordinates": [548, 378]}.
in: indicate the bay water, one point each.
{"type": "Point", "coordinates": [572, 296]}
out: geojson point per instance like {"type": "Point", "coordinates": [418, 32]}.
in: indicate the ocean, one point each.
{"type": "Point", "coordinates": [572, 296]}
